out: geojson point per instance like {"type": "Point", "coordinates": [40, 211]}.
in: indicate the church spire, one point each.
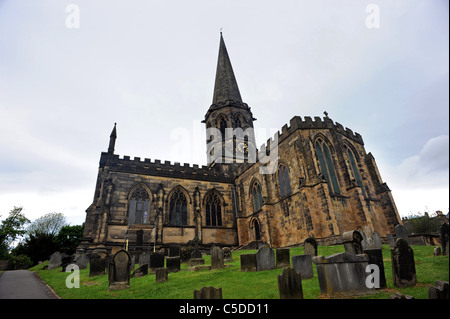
{"type": "Point", "coordinates": [112, 140]}
{"type": "Point", "coordinates": [225, 88]}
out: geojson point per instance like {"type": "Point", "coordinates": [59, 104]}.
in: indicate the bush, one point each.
{"type": "Point", "coordinates": [19, 262]}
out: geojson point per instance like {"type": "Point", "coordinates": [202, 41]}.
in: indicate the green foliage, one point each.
{"type": "Point", "coordinates": [19, 262]}
{"type": "Point", "coordinates": [10, 229]}
{"type": "Point", "coordinates": [38, 247]}
{"type": "Point", "coordinates": [423, 224]}
{"type": "Point", "coordinates": [69, 237]}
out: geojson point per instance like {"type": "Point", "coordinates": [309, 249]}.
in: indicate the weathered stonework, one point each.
{"type": "Point", "coordinates": [219, 204]}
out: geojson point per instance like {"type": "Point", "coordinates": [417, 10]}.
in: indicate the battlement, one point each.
{"type": "Point", "coordinates": [158, 168]}
{"type": "Point", "coordinates": [297, 123]}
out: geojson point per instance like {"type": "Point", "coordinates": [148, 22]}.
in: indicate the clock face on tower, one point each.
{"type": "Point", "coordinates": [242, 148]}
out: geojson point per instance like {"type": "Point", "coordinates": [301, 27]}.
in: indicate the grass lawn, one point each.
{"type": "Point", "coordinates": [241, 285]}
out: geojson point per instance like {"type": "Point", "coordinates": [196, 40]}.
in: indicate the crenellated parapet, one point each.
{"type": "Point", "coordinates": [160, 168]}
{"type": "Point", "coordinates": [307, 123]}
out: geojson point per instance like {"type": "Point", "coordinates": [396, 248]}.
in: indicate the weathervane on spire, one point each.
{"type": "Point", "coordinates": [221, 30]}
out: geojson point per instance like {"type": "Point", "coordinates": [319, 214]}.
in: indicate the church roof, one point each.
{"type": "Point", "coordinates": [225, 88]}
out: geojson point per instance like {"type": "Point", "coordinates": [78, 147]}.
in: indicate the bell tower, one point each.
{"type": "Point", "coordinates": [229, 121]}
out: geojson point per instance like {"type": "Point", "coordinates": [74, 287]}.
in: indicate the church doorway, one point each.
{"type": "Point", "coordinates": [256, 230]}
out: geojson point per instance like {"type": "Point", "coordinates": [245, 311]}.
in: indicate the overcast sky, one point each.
{"type": "Point", "coordinates": [150, 67]}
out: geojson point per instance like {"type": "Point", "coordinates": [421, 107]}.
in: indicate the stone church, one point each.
{"type": "Point", "coordinates": [319, 183]}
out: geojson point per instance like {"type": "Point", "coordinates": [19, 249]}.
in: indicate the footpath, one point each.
{"type": "Point", "coordinates": [23, 284]}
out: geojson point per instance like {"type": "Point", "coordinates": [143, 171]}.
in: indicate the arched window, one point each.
{"type": "Point", "coordinates": [222, 127]}
{"type": "Point", "coordinates": [283, 181]}
{"type": "Point", "coordinates": [213, 210]}
{"type": "Point", "coordinates": [139, 206]}
{"type": "Point", "coordinates": [355, 170]}
{"type": "Point", "coordinates": [257, 197]}
{"type": "Point", "coordinates": [326, 166]}
{"type": "Point", "coordinates": [178, 208]}
{"type": "Point", "coordinates": [256, 230]}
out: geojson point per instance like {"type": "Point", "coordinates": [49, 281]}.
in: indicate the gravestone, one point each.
{"type": "Point", "coordinates": [208, 293]}
{"type": "Point", "coordinates": [144, 259]}
{"type": "Point", "coordinates": [403, 267]}
{"type": "Point", "coordinates": [290, 284]}
{"type": "Point", "coordinates": [283, 258]}
{"type": "Point", "coordinates": [248, 262]}
{"type": "Point", "coordinates": [439, 291]}
{"type": "Point", "coordinates": [119, 270]}
{"type": "Point", "coordinates": [437, 251]}
{"type": "Point", "coordinates": [173, 264]}
{"type": "Point", "coordinates": [216, 258]}
{"type": "Point", "coordinates": [66, 260]}
{"type": "Point", "coordinates": [82, 261]}
{"type": "Point", "coordinates": [371, 240]}
{"type": "Point", "coordinates": [352, 242]}
{"type": "Point", "coordinates": [376, 257]}
{"type": "Point", "coordinates": [265, 259]}
{"type": "Point", "coordinates": [174, 251]}
{"type": "Point", "coordinates": [444, 234]}
{"type": "Point", "coordinates": [400, 296]}
{"type": "Point", "coordinates": [227, 256]}
{"type": "Point", "coordinates": [391, 240]}
{"type": "Point", "coordinates": [302, 264]}
{"type": "Point", "coordinates": [141, 271]}
{"type": "Point", "coordinates": [310, 246]}
{"type": "Point", "coordinates": [400, 232]}
{"type": "Point", "coordinates": [196, 252]}
{"type": "Point", "coordinates": [156, 261]}
{"type": "Point", "coordinates": [97, 265]}
{"type": "Point", "coordinates": [342, 273]}
{"type": "Point", "coordinates": [196, 262]}
{"type": "Point", "coordinates": [55, 260]}
{"type": "Point", "coordinates": [162, 275]}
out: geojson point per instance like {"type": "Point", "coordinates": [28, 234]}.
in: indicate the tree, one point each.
{"type": "Point", "coordinates": [10, 229]}
{"type": "Point", "coordinates": [38, 247]}
{"type": "Point", "coordinates": [50, 224]}
{"type": "Point", "coordinates": [69, 237]}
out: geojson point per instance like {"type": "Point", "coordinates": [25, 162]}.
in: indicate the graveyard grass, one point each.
{"type": "Point", "coordinates": [242, 285]}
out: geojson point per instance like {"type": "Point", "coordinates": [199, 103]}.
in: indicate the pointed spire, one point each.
{"type": "Point", "coordinates": [225, 87]}
{"type": "Point", "coordinates": [112, 140]}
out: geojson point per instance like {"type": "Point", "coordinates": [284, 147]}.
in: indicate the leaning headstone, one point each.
{"type": "Point", "coordinates": [283, 258]}
{"type": "Point", "coordinates": [265, 259]}
{"type": "Point", "coordinates": [216, 258]}
{"type": "Point", "coordinates": [227, 256]}
{"type": "Point", "coordinates": [310, 246]}
{"type": "Point", "coordinates": [342, 273]}
{"type": "Point", "coordinates": [96, 265]}
{"type": "Point", "coordinates": [208, 293]}
{"type": "Point", "coordinates": [141, 271]}
{"type": "Point", "coordinates": [400, 232]}
{"type": "Point", "coordinates": [174, 250]}
{"type": "Point", "coordinates": [156, 261]}
{"type": "Point", "coordinates": [302, 264]}
{"type": "Point", "coordinates": [248, 262]}
{"type": "Point", "coordinates": [119, 270]}
{"type": "Point", "coordinates": [55, 261]}
{"type": "Point", "coordinates": [173, 264]}
{"type": "Point", "coordinates": [352, 242]}
{"type": "Point", "coordinates": [82, 261]}
{"type": "Point", "coordinates": [162, 275]}
{"type": "Point", "coordinates": [444, 235]}
{"type": "Point", "coordinates": [403, 267]}
{"type": "Point", "coordinates": [290, 284]}
{"type": "Point", "coordinates": [439, 291]}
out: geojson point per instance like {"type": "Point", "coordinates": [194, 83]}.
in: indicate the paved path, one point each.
{"type": "Point", "coordinates": [23, 284]}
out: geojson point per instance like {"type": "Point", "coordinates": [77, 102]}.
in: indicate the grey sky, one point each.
{"type": "Point", "coordinates": [150, 67]}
